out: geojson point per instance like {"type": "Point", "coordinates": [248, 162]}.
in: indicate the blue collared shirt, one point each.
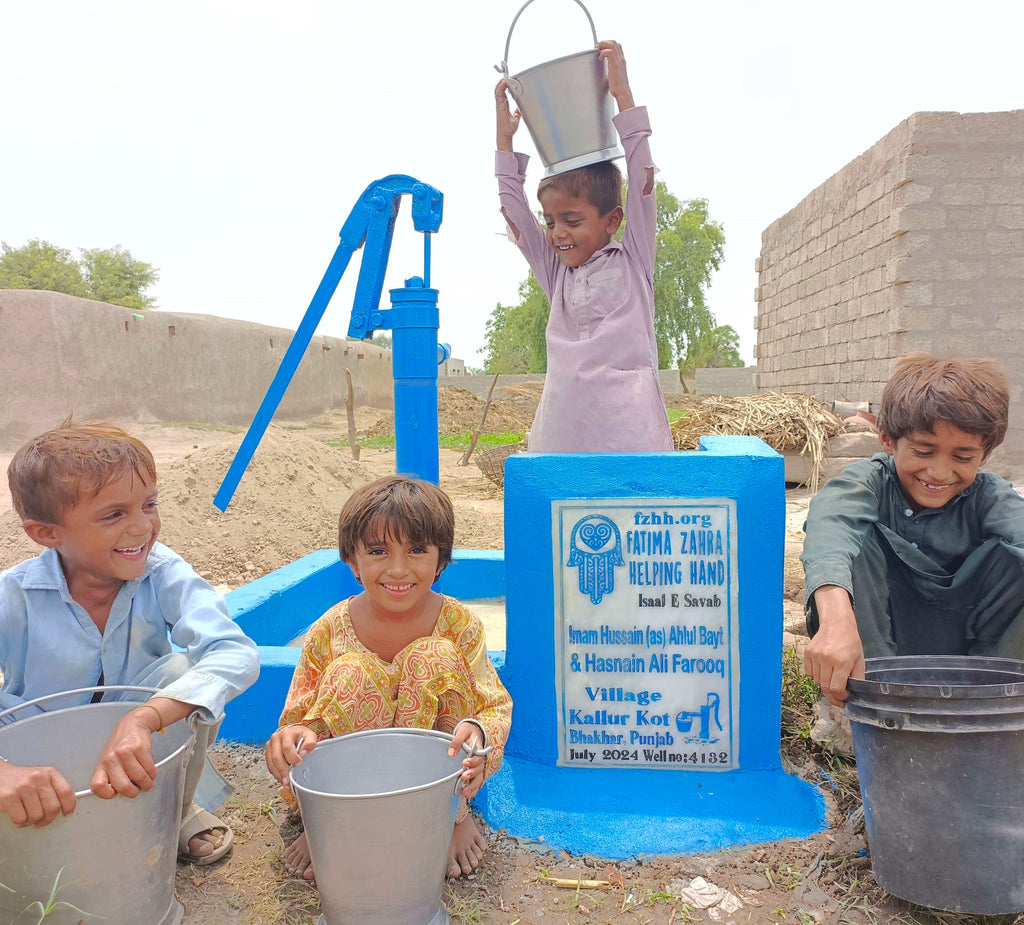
{"type": "Point", "coordinates": [49, 643]}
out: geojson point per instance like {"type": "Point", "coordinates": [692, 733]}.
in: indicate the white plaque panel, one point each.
{"type": "Point", "coordinates": [646, 642]}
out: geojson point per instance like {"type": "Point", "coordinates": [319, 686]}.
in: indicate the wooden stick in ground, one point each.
{"type": "Point", "coordinates": [483, 417]}
{"type": "Point", "coordinates": [350, 411]}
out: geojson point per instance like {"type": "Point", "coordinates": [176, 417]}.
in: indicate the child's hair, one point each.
{"type": "Point", "coordinates": [971, 394]}
{"type": "Point", "coordinates": [398, 507]}
{"type": "Point", "coordinates": [53, 472]}
{"type": "Point", "coordinates": [600, 184]}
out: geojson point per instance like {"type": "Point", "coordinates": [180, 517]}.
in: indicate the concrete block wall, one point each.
{"type": "Point", "coordinates": [823, 299]}
{"type": "Point", "coordinates": [730, 381]}
{"type": "Point", "coordinates": [918, 244]}
{"type": "Point", "coordinates": [63, 354]}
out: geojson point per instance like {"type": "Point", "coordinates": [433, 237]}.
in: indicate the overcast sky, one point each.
{"type": "Point", "coordinates": [226, 142]}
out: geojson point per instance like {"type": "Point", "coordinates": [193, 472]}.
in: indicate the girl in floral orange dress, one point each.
{"type": "Point", "coordinates": [397, 654]}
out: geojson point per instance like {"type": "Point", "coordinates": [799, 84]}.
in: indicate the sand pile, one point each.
{"type": "Point", "coordinates": [523, 397]}
{"type": "Point", "coordinates": [459, 411]}
{"type": "Point", "coordinates": [14, 544]}
{"type": "Point", "coordinates": [285, 506]}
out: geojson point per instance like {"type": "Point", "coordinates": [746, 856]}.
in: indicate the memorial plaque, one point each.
{"type": "Point", "coordinates": [646, 633]}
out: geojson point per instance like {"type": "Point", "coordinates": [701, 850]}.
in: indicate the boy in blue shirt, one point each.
{"type": "Point", "coordinates": [97, 608]}
{"type": "Point", "coordinates": [915, 551]}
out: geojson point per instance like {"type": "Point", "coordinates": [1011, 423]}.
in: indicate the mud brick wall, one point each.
{"type": "Point", "coordinates": [62, 354]}
{"type": "Point", "coordinates": [918, 244]}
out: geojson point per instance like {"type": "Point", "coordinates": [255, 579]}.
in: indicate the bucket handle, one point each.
{"type": "Point", "coordinates": [193, 717]}
{"type": "Point", "coordinates": [466, 747]}
{"type": "Point", "coordinates": [503, 67]}
{"type": "Point", "coordinates": [78, 690]}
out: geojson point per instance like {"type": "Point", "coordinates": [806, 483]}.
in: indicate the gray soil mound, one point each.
{"type": "Point", "coordinates": [459, 411]}
{"type": "Point", "coordinates": [286, 505]}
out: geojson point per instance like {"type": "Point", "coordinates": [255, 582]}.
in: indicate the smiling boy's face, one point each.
{"type": "Point", "coordinates": [575, 227]}
{"type": "Point", "coordinates": [105, 539]}
{"type": "Point", "coordinates": [933, 468]}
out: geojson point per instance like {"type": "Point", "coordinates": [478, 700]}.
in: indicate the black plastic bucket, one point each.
{"type": "Point", "coordinates": [939, 742]}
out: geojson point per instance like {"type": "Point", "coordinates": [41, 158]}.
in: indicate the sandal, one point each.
{"type": "Point", "coordinates": [195, 823]}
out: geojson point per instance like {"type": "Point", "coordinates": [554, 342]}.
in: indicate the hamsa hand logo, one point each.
{"type": "Point", "coordinates": [595, 548]}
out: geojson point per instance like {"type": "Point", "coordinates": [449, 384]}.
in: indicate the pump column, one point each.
{"type": "Point", "coordinates": [413, 319]}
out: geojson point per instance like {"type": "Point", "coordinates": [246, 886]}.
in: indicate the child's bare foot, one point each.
{"type": "Point", "coordinates": [466, 849]}
{"type": "Point", "coordinates": [297, 860]}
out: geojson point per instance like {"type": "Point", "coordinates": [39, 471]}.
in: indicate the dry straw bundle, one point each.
{"type": "Point", "coordinates": [787, 422]}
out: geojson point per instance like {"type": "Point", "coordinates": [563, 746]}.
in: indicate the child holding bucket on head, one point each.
{"type": "Point", "coordinates": [915, 551]}
{"type": "Point", "coordinates": [103, 605]}
{"type": "Point", "coordinates": [397, 654]}
{"type": "Point", "coordinates": [601, 392]}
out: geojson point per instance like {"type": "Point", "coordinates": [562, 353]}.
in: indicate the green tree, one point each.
{"type": "Point", "coordinates": [690, 247]}
{"type": "Point", "coordinates": [107, 275]}
{"type": "Point", "coordinates": [714, 349]}
{"type": "Point", "coordinates": [514, 334]}
{"type": "Point", "coordinates": [113, 275]}
{"type": "Point", "coordinates": [40, 265]}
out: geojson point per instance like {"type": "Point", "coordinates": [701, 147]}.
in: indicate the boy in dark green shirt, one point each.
{"type": "Point", "coordinates": [914, 551]}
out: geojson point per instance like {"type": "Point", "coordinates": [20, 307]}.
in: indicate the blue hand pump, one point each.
{"type": "Point", "coordinates": [413, 318]}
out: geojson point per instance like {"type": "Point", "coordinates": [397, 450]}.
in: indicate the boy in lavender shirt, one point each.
{"type": "Point", "coordinates": [601, 392]}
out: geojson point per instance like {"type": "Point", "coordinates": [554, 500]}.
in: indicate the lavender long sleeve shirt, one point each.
{"type": "Point", "coordinates": [601, 392]}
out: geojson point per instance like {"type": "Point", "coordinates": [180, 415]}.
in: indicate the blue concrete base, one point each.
{"type": "Point", "coordinates": [667, 812]}
{"type": "Point", "coordinates": [275, 609]}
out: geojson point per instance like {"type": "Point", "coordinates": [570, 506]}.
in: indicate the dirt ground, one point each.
{"type": "Point", "coordinates": [287, 505]}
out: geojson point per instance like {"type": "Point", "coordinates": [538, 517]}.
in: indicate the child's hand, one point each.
{"type": "Point", "coordinates": [618, 82]}
{"type": "Point", "coordinates": [473, 775]}
{"type": "Point", "coordinates": [126, 766]}
{"type": "Point", "coordinates": [507, 121]}
{"type": "Point", "coordinates": [34, 796]}
{"type": "Point", "coordinates": [288, 746]}
{"type": "Point", "coordinates": [835, 653]}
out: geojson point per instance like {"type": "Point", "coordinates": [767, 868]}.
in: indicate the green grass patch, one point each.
{"type": "Point", "coordinates": [461, 441]}
{"type": "Point", "coordinates": [674, 414]}
{"type": "Point", "coordinates": [446, 441]}
{"type": "Point", "coordinates": [373, 443]}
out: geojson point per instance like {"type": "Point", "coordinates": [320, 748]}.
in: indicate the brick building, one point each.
{"type": "Point", "coordinates": [918, 244]}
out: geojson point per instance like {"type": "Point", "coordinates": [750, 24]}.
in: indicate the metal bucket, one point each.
{"type": "Point", "coordinates": [379, 809]}
{"type": "Point", "coordinates": [939, 742]}
{"type": "Point", "coordinates": [566, 106]}
{"type": "Point", "coordinates": [115, 859]}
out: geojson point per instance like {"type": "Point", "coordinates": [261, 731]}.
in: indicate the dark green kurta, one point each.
{"type": "Point", "coordinates": [944, 581]}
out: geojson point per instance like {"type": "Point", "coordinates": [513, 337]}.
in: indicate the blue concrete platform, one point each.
{"type": "Point", "coordinates": [644, 653]}
{"type": "Point", "coordinates": [632, 812]}
{"type": "Point", "coordinates": [275, 609]}
{"type": "Point", "coordinates": [729, 625]}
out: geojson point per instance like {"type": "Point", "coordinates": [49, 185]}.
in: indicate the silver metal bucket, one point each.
{"type": "Point", "coordinates": [115, 859]}
{"type": "Point", "coordinates": [379, 809]}
{"type": "Point", "coordinates": [566, 106]}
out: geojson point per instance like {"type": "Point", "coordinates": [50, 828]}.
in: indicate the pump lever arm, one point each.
{"type": "Point", "coordinates": [371, 220]}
